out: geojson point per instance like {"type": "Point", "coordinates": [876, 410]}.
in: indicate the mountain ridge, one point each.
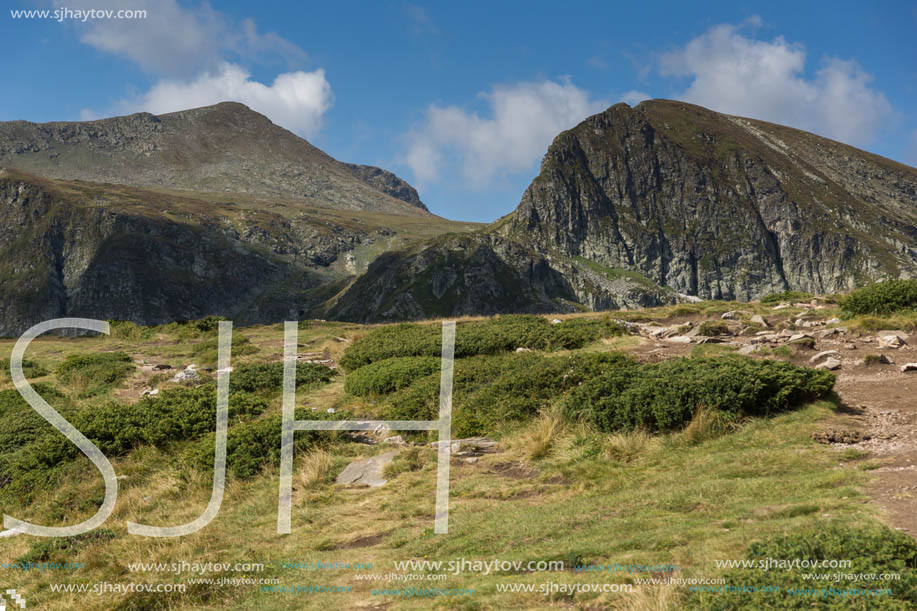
{"type": "Point", "coordinates": [634, 206]}
{"type": "Point", "coordinates": [225, 148]}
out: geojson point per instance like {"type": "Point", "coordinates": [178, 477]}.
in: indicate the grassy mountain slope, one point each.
{"type": "Point", "coordinates": [225, 148]}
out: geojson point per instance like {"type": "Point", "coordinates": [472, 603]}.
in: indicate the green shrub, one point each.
{"type": "Point", "coordinates": [502, 334]}
{"type": "Point", "coordinates": [268, 377]}
{"type": "Point", "coordinates": [711, 328]}
{"type": "Point", "coordinates": [175, 415]}
{"type": "Point", "coordinates": [187, 329]}
{"type": "Point", "coordinates": [787, 296]}
{"type": "Point", "coordinates": [253, 445]}
{"type": "Point", "coordinates": [125, 329]}
{"type": "Point", "coordinates": [21, 423]}
{"type": "Point", "coordinates": [30, 369]}
{"type": "Point", "coordinates": [664, 396]}
{"type": "Point", "coordinates": [96, 372]}
{"type": "Point", "coordinates": [882, 298]}
{"type": "Point", "coordinates": [871, 549]}
{"type": "Point", "coordinates": [207, 351]}
{"type": "Point", "coordinates": [490, 392]}
{"type": "Point", "coordinates": [389, 375]}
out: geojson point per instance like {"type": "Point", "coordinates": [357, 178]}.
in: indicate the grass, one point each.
{"type": "Point", "coordinates": [557, 489]}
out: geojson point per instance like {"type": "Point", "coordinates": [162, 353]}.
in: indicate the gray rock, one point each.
{"type": "Point", "coordinates": [730, 315]}
{"type": "Point", "coordinates": [909, 367]}
{"type": "Point", "coordinates": [679, 339]}
{"type": "Point", "coordinates": [470, 445]}
{"type": "Point", "coordinates": [188, 374]}
{"type": "Point", "coordinates": [830, 364]}
{"type": "Point", "coordinates": [760, 320]}
{"type": "Point", "coordinates": [821, 355]}
{"type": "Point", "coordinates": [893, 341]}
{"type": "Point", "coordinates": [368, 471]}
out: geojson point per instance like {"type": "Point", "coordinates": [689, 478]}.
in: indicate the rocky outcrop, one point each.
{"type": "Point", "coordinates": [95, 251]}
{"type": "Point", "coordinates": [387, 182]}
{"type": "Point", "coordinates": [480, 274]}
{"type": "Point", "coordinates": [664, 202]}
{"type": "Point", "coordinates": [718, 206]}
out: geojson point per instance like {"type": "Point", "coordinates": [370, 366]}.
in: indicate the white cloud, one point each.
{"type": "Point", "coordinates": [523, 119]}
{"type": "Point", "coordinates": [634, 97]}
{"type": "Point", "coordinates": [174, 41]}
{"type": "Point", "coordinates": [739, 75]}
{"type": "Point", "coordinates": [194, 50]}
{"type": "Point", "coordinates": [295, 100]}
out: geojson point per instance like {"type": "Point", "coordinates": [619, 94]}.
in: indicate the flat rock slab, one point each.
{"type": "Point", "coordinates": [368, 471]}
{"type": "Point", "coordinates": [471, 446]}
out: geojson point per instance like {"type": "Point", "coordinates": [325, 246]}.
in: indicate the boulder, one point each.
{"type": "Point", "coordinates": [367, 471]}
{"type": "Point", "coordinates": [893, 341]}
{"type": "Point", "coordinates": [829, 364]}
{"type": "Point", "coordinates": [759, 320]}
{"type": "Point", "coordinates": [821, 355]}
{"type": "Point", "coordinates": [908, 367]}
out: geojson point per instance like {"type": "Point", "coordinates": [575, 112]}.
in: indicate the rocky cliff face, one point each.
{"type": "Point", "coordinates": [107, 252]}
{"type": "Point", "coordinates": [718, 206]}
{"type": "Point", "coordinates": [225, 148]}
{"type": "Point", "coordinates": [637, 205]}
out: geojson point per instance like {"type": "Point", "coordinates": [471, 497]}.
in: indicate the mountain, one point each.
{"type": "Point", "coordinates": [208, 211]}
{"type": "Point", "coordinates": [225, 148]}
{"type": "Point", "coordinates": [634, 206]}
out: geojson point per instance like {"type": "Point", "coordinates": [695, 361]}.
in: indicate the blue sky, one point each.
{"type": "Point", "coordinates": [461, 99]}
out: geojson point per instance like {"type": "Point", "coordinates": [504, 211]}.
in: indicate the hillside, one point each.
{"type": "Point", "coordinates": [73, 248]}
{"type": "Point", "coordinates": [612, 447]}
{"type": "Point", "coordinates": [225, 148]}
{"type": "Point", "coordinates": [635, 205]}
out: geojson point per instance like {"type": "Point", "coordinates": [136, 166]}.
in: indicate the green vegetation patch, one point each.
{"type": "Point", "coordinates": [787, 296]}
{"type": "Point", "coordinates": [207, 351]}
{"type": "Point", "coordinates": [387, 376]}
{"type": "Point", "coordinates": [95, 373]}
{"type": "Point", "coordinates": [492, 392]}
{"type": "Point", "coordinates": [665, 396]}
{"type": "Point", "coordinates": [872, 549]}
{"type": "Point", "coordinates": [882, 298]}
{"type": "Point", "coordinates": [253, 445]}
{"type": "Point", "coordinates": [712, 328]}
{"type": "Point", "coordinates": [493, 336]}
{"type": "Point", "coordinates": [175, 415]}
{"type": "Point", "coordinates": [268, 377]}
{"type": "Point", "coordinates": [30, 369]}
